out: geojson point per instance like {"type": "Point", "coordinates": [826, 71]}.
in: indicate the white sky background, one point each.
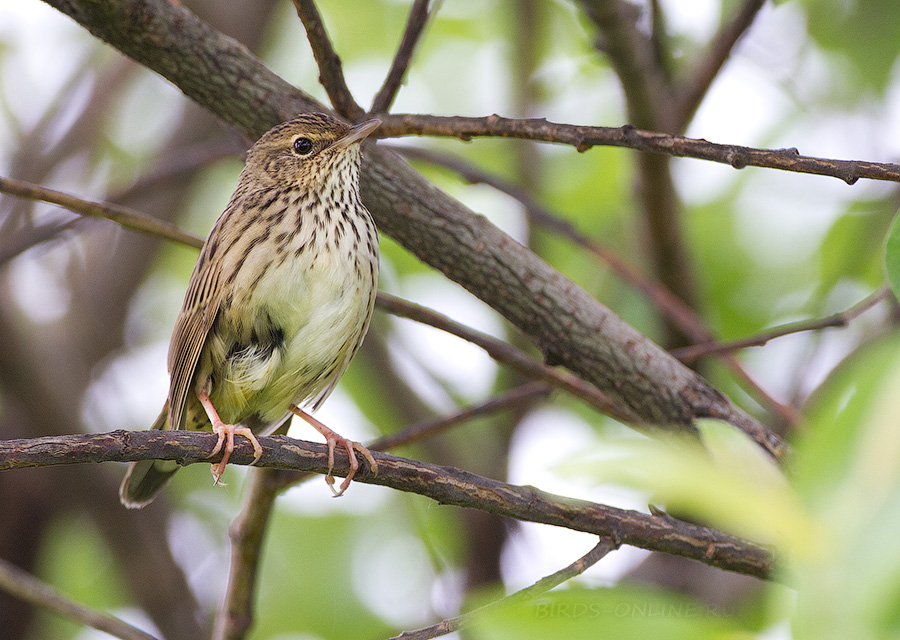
{"type": "Point", "coordinates": [783, 215]}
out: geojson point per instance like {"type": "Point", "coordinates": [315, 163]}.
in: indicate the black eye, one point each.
{"type": "Point", "coordinates": [303, 146]}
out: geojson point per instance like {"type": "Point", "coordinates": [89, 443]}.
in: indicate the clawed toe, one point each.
{"type": "Point", "coordinates": [333, 440]}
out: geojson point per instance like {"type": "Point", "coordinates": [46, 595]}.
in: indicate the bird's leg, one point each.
{"type": "Point", "coordinates": [226, 433]}
{"type": "Point", "coordinates": [333, 439]}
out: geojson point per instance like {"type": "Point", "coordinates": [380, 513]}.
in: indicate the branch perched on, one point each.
{"type": "Point", "coordinates": [446, 485]}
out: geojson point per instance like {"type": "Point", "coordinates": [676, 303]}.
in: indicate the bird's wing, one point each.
{"type": "Point", "coordinates": [201, 305]}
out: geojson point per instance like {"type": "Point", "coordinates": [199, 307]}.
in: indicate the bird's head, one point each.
{"type": "Point", "coordinates": [309, 150]}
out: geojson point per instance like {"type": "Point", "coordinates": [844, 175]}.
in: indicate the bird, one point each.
{"type": "Point", "coordinates": [278, 302]}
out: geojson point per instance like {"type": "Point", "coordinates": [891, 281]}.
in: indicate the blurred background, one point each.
{"type": "Point", "coordinates": [86, 308]}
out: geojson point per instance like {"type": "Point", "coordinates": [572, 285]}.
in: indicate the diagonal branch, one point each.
{"type": "Point", "coordinates": [672, 307]}
{"type": "Point", "coordinates": [331, 72]}
{"type": "Point", "coordinates": [446, 485]}
{"type": "Point", "coordinates": [840, 319]}
{"type": "Point", "coordinates": [419, 431]}
{"type": "Point", "coordinates": [122, 216]}
{"type": "Point", "coordinates": [510, 356]}
{"type": "Point", "coordinates": [23, 585]}
{"type": "Point", "coordinates": [419, 14]}
{"type": "Point", "coordinates": [585, 562]}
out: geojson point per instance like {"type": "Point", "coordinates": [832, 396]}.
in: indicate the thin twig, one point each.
{"type": "Point", "coordinates": [446, 485]}
{"type": "Point", "coordinates": [691, 91]}
{"type": "Point", "coordinates": [840, 319]}
{"type": "Point", "coordinates": [415, 26]}
{"type": "Point", "coordinates": [545, 584]}
{"type": "Point", "coordinates": [123, 216]}
{"type": "Point", "coordinates": [510, 356]}
{"type": "Point", "coordinates": [331, 72]}
{"type": "Point", "coordinates": [247, 533]}
{"type": "Point", "coordinates": [421, 430]}
{"type": "Point", "coordinates": [25, 586]}
{"type": "Point", "coordinates": [584, 137]}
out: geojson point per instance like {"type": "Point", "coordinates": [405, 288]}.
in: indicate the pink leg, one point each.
{"type": "Point", "coordinates": [226, 434]}
{"type": "Point", "coordinates": [333, 439]}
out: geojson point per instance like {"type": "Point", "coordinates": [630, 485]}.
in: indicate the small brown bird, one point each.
{"type": "Point", "coordinates": [279, 300]}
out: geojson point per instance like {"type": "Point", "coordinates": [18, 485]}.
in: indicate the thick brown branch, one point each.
{"type": "Point", "coordinates": [677, 312]}
{"type": "Point", "coordinates": [331, 72]}
{"type": "Point", "coordinates": [585, 137]}
{"type": "Point", "coordinates": [446, 485]}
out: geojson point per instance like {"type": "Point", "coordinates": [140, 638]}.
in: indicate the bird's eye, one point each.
{"type": "Point", "coordinates": [303, 146]}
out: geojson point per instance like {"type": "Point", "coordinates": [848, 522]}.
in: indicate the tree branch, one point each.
{"type": "Point", "coordinates": [840, 319]}
{"type": "Point", "coordinates": [445, 485]}
{"type": "Point", "coordinates": [418, 18]}
{"type": "Point", "coordinates": [568, 325]}
{"type": "Point", "coordinates": [247, 534]}
{"type": "Point", "coordinates": [25, 586]}
{"type": "Point", "coordinates": [585, 562]}
{"type": "Point", "coordinates": [510, 356]}
{"type": "Point", "coordinates": [514, 397]}
{"type": "Point", "coordinates": [634, 59]}
{"type": "Point", "coordinates": [122, 216]}
{"type": "Point", "coordinates": [670, 305]}
{"type": "Point", "coordinates": [331, 72]}
{"type": "Point", "coordinates": [584, 137]}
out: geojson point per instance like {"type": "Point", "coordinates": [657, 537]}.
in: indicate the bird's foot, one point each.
{"type": "Point", "coordinates": [226, 433]}
{"type": "Point", "coordinates": [333, 439]}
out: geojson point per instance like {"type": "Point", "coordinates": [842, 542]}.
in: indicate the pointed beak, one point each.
{"type": "Point", "coordinates": [357, 133]}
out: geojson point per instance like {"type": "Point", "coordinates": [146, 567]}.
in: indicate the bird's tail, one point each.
{"type": "Point", "coordinates": [144, 479]}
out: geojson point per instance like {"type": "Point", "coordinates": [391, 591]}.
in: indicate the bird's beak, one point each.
{"type": "Point", "coordinates": [357, 133]}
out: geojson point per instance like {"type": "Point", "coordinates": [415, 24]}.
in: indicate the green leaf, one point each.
{"type": "Point", "coordinates": [862, 32]}
{"type": "Point", "coordinates": [727, 481]}
{"type": "Point", "coordinates": [853, 245]}
{"type": "Point", "coordinates": [848, 471]}
{"type": "Point", "coordinates": [892, 257]}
